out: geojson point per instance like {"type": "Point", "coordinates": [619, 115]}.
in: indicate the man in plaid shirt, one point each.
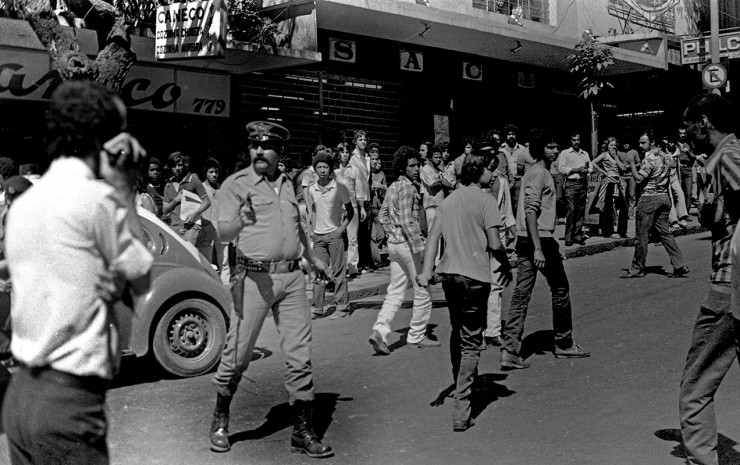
{"type": "Point", "coordinates": [709, 119]}
{"type": "Point", "coordinates": [401, 220]}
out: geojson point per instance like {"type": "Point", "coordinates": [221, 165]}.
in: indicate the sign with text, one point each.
{"type": "Point", "coordinates": [698, 49]}
{"type": "Point", "coordinates": [342, 50]}
{"type": "Point", "coordinates": [412, 61]}
{"type": "Point", "coordinates": [714, 76]}
{"type": "Point", "coordinates": [29, 76]}
{"type": "Point", "coordinates": [191, 30]}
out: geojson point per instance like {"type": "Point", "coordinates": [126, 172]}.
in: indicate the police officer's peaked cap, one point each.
{"type": "Point", "coordinates": [262, 131]}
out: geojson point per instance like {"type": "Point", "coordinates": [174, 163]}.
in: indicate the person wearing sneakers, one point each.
{"type": "Point", "coordinates": [653, 209]}
{"type": "Point", "coordinates": [329, 212]}
{"type": "Point", "coordinates": [709, 120]}
{"type": "Point", "coordinates": [257, 205]}
{"type": "Point", "coordinates": [400, 215]}
{"type": "Point", "coordinates": [470, 223]}
{"type": "Point", "coordinates": [538, 250]}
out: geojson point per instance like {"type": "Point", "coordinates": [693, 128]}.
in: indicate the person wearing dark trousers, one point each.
{"type": "Point", "coordinates": [257, 205]}
{"type": "Point", "coordinates": [575, 164]}
{"type": "Point", "coordinates": [653, 209]}
{"type": "Point", "coordinates": [469, 221]}
{"type": "Point", "coordinates": [73, 247]}
{"type": "Point", "coordinates": [538, 250]}
{"type": "Point", "coordinates": [709, 120]}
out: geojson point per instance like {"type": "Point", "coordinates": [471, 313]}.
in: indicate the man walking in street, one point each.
{"type": "Point", "coordinates": [470, 224]}
{"type": "Point", "coordinates": [258, 205]}
{"type": "Point", "coordinates": [330, 211]}
{"type": "Point", "coordinates": [575, 164]}
{"type": "Point", "coordinates": [538, 250]}
{"type": "Point", "coordinates": [360, 161]}
{"type": "Point", "coordinates": [400, 216]}
{"type": "Point", "coordinates": [378, 187]}
{"type": "Point", "coordinates": [686, 160]}
{"type": "Point", "coordinates": [68, 237]}
{"type": "Point", "coordinates": [653, 209]}
{"type": "Point", "coordinates": [709, 120]}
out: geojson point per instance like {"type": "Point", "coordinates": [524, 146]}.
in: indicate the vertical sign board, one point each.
{"type": "Point", "coordinates": [342, 50]}
{"type": "Point", "coordinates": [29, 76]}
{"type": "Point", "coordinates": [191, 30]}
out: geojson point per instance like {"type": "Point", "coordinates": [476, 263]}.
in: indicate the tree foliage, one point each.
{"type": "Point", "coordinates": [589, 61]}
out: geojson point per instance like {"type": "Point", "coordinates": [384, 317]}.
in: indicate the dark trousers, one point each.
{"type": "Point", "coordinates": [561, 207]}
{"type": "Point", "coordinates": [330, 249]}
{"type": "Point", "coordinates": [525, 280]}
{"type": "Point", "coordinates": [652, 211]}
{"type": "Point", "coordinates": [714, 348]}
{"type": "Point", "coordinates": [363, 240]}
{"type": "Point", "coordinates": [606, 217]}
{"type": "Point", "coordinates": [575, 197]}
{"type": "Point", "coordinates": [468, 303]}
{"type": "Point", "coordinates": [55, 418]}
{"type": "Point", "coordinates": [687, 184]}
{"type": "Point", "coordinates": [514, 189]}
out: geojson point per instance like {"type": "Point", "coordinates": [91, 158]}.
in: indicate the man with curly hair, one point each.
{"type": "Point", "coordinates": [400, 218]}
{"type": "Point", "coordinates": [63, 236]}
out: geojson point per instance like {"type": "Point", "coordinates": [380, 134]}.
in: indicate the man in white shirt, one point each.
{"type": "Point", "coordinates": [330, 211]}
{"type": "Point", "coordinates": [575, 164]}
{"type": "Point", "coordinates": [63, 236]}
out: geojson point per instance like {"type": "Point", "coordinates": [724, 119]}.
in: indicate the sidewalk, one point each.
{"type": "Point", "coordinates": [370, 284]}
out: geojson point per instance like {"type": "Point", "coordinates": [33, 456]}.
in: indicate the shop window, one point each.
{"type": "Point", "coordinates": [533, 10]}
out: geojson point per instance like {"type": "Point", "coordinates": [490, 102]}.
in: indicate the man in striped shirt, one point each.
{"type": "Point", "coordinates": [709, 119]}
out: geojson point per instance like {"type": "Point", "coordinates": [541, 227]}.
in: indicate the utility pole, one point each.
{"type": "Point", "coordinates": [714, 34]}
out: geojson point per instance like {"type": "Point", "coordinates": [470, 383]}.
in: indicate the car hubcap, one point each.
{"type": "Point", "coordinates": [188, 335]}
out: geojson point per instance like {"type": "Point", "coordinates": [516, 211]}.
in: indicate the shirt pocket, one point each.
{"type": "Point", "coordinates": [264, 208]}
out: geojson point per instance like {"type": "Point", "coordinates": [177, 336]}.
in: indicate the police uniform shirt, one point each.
{"type": "Point", "coordinates": [274, 236]}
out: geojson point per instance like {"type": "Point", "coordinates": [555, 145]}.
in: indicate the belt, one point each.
{"type": "Point", "coordinates": [280, 266]}
{"type": "Point", "coordinates": [90, 383]}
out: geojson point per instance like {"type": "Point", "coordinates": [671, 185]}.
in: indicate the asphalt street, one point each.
{"type": "Point", "coordinates": [617, 407]}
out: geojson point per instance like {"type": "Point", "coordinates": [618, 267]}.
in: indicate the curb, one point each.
{"type": "Point", "coordinates": [581, 251]}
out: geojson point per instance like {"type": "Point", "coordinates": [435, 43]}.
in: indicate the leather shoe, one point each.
{"type": "Point", "coordinates": [512, 362]}
{"type": "Point", "coordinates": [425, 343]}
{"type": "Point", "coordinates": [460, 426]}
{"type": "Point", "coordinates": [376, 340]}
{"type": "Point", "coordinates": [679, 272]}
{"type": "Point", "coordinates": [574, 351]}
{"type": "Point", "coordinates": [633, 274]}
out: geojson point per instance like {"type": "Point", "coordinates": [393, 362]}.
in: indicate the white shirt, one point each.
{"type": "Point", "coordinates": [569, 159]}
{"type": "Point", "coordinates": [326, 206]}
{"type": "Point", "coordinates": [61, 235]}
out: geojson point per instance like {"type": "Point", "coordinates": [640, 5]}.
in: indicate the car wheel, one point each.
{"type": "Point", "coordinates": [189, 337]}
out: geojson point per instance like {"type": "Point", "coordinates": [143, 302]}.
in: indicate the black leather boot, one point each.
{"type": "Point", "coordinates": [304, 440]}
{"type": "Point", "coordinates": [220, 425]}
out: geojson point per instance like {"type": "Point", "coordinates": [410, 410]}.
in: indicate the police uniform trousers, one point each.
{"type": "Point", "coordinates": [285, 295]}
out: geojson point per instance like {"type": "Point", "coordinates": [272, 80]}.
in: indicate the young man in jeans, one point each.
{"type": "Point", "coordinates": [470, 222]}
{"type": "Point", "coordinates": [329, 212]}
{"type": "Point", "coordinates": [400, 216]}
{"type": "Point", "coordinates": [538, 250]}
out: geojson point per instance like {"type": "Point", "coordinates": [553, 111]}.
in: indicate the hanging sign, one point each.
{"type": "Point", "coordinates": [191, 30]}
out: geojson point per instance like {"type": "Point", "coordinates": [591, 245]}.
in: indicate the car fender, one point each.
{"type": "Point", "coordinates": [191, 283]}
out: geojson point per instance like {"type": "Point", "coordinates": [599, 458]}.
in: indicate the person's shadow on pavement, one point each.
{"type": "Point", "coordinates": [539, 342]}
{"type": "Point", "coordinates": [280, 417]}
{"type": "Point", "coordinates": [725, 447]}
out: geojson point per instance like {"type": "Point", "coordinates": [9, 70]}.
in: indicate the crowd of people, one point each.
{"type": "Point", "coordinates": [71, 249]}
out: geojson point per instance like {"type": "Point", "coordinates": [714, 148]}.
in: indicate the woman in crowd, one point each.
{"type": "Point", "coordinates": [610, 197]}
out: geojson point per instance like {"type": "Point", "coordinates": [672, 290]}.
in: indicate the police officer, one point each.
{"type": "Point", "coordinates": [257, 205]}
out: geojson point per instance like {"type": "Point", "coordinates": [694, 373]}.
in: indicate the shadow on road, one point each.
{"type": "Point", "coordinates": [538, 342]}
{"type": "Point", "coordinates": [725, 449]}
{"type": "Point", "coordinates": [280, 417]}
{"type": "Point", "coordinates": [406, 304]}
{"type": "Point", "coordinates": [485, 392]}
{"type": "Point", "coordinates": [142, 370]}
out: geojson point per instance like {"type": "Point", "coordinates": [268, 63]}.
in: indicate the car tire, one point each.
{"type": "Point", "coordinates": [189, 337]}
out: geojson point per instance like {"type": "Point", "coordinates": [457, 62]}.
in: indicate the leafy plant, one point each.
{"type": "Point", "coordinates": [138, 12]}
{"type": "Point", "coordinates": [589, 61]}
{"type": "Point", "coordinates": [246, 24]}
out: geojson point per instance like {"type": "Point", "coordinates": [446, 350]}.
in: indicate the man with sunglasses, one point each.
{"type": "Point", "coordinates": [257, 206]}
